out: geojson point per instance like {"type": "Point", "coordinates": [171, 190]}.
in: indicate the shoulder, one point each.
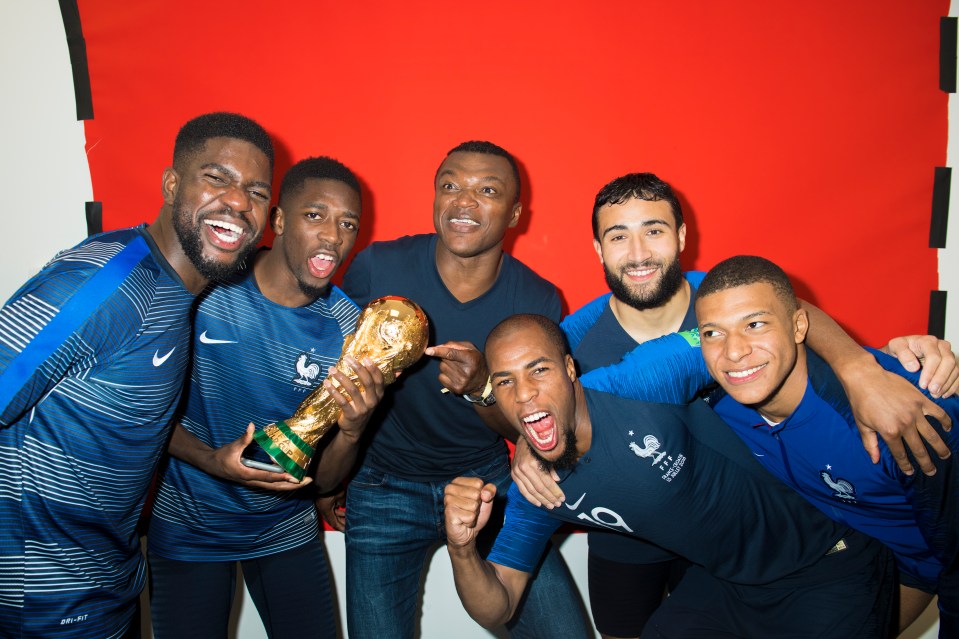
{"type": "Point", "coordinates": [71, 269]}
{"type": "Point", "coordinates": [526, 284]}
{"type": "Point", "coordinates": [400, 247]}
{"type": "Point", "coordinates": [695, 278]}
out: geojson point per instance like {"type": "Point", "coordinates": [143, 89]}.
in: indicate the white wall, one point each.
{"type": "Point", "coordinates": [48, 182]}
{"type": "Point", "coordinates": [46, 177]}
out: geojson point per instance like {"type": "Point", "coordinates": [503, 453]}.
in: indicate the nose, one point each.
{"type": "Point", "coordinates": [638, 250]}
{"type": "Point", "coordinates": [237, 198]}
{"type": "Point", "coordinates": [736, 347]}
{"type": "Point", "coordinates": [329, 231]}
{"type": "Point", "coordinates": [524, 392]}
{"type": "Point", "coordinates": [464, 199]}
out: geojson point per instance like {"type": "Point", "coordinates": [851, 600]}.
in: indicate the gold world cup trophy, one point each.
{"type": "Point", "coordinates": [392, 331]}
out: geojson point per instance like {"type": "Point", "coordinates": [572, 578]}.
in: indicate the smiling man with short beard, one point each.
{"type": "Point", "coordinates": [93, 354]}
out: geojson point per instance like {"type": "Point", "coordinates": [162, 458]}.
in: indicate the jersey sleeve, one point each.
{"type": "Point", "coordinates": [522, 539]}
{"type": "Point", "coordinates": [357, 281]}
{"type": "Point", "coordinates": [666, 370]}
{"type": "Point", "coordinates": [22, 319]}
{"type": "Point", "coordinates": [577, 324]}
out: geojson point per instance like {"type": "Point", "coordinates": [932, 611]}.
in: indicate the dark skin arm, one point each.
{"type": "Point", "coordinates": [882, 402]}
{"type": "Point", "coordinates": [463, 371]}
{"type": "Point", "coordinates": [339, 455]}
{"type": "Point", "coordinates": [489, 592]}
{"type": "Point", "coordinates": [224, 462]}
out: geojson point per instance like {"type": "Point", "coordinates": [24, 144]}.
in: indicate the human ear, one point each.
{"type": "Point", "coordinates": [169, 185]}
{"type": "Point", "coordinates": [801, 324]}
{"type": "Point", "coordinates": [517, 212]}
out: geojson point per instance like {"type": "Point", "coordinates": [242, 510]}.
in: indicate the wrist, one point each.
{"type": "Point", "coordinates": [853, 363]}
{"type": "Point", "coordinates": [484, 397]}
{"type": "Point", "coordinates": [461, 551]}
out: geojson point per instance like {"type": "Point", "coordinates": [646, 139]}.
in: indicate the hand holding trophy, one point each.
{"type": "Point", "coordinates": [392, 331]}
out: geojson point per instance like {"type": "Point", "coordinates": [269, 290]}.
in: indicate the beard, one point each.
{"type": "Point", "coordinates": [191, 241]}
{"type": "Point", "coordinates": [566, 460]}
{"type": "Point", "coordinates": [663, 291]}
{"type": "Point", "coordinates": [312, 292]}
{"type": "Point", "coordinates": [306, 286]}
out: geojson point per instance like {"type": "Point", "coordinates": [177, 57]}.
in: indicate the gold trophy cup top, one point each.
{"type": "Point", "coordinates": [392, 331]}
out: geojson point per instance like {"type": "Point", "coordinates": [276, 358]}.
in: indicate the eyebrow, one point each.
{"type": "Point", "coordinates": [485, 178]}
{"type": "Point", "coordinates": [748, 316]}
{"type": "Point", "coordinates": [322, 205]}
{"type": "Point", "coordinates": [233, 175]}
{"type": "Point", "coordinates": [644, 223]}
{"type": "Point", "coordinates": [533, 364]}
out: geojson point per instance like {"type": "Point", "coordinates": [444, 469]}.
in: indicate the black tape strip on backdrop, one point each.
{"type": "Point", "coordinates": [937, 314]}
{"type": "Point", "coordinates": [947, 54]}
{"type": "Point", "coordinates": [78, 58]}
{"type": "Point", "coordinates": [94, 218]}
{"type": "Point", "coordinates": [940, 207]}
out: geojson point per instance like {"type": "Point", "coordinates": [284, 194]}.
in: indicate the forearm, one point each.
{"type": "Point", "coordinates": [336, 461]}
{"type": "Point", "coordinates": [832, 343]}
{"type": "Point", "coordinates": [484, 595]}
{"type": "Point", "coordinates": [185, 446]}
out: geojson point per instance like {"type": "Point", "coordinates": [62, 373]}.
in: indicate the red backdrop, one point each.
{"type": "Point", "coordinates": [804, 132]}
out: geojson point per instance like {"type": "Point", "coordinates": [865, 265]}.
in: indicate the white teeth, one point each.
{"type": "Point", "coordinates": [745, 373]}
{"type": "Point", "coordinates": [642, 273]}
{"type": "Point", "coordinates": [535, 417]}
{"type": "Point", "coordinates": [224, 230]}
{"type": "Point", "coordinates": [323, 256]}
{"type": "Point", "coordinates": [464, 220]}
{"type": "Point", "coordinates": [543, 439]}
{"type": "Point", "coordinates": [224, 225]}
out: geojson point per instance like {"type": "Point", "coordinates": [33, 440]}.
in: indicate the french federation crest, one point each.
{"type": "Point", "coordinates": [306, 371]}
{"type": "Point", "coordinates": [841, 488]}
{"type": "Point", "coordinates": [649, 449]}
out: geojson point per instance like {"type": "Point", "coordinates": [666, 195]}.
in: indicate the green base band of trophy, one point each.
{"type": "Point", "coordinates": [278, 440]}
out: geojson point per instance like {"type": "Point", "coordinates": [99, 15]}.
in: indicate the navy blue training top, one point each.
{"type": "Point", "coordinates": [420, 433]}
{"type": "Point", "coordinates": [678, 477]}
{"type": "Point", "coordinates": [604, 343]}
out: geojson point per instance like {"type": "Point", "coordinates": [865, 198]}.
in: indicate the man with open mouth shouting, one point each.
{"type": "Point", "coordinates": [766, 563]}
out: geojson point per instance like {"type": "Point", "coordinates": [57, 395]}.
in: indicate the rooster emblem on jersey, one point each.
{"type": "Point", "coordinates": [650, 449]}
{"type": "Point", "coordinates": [843, 489]}
{"type": "Point", "coordinates": [306, 370]}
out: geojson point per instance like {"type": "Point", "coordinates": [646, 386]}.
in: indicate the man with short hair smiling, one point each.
{"type": "Point", "coordinates": [93, 354]}
{"type": "Point", "coordinates": [786, 404]}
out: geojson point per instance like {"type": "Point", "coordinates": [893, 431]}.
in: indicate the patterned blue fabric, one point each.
{"type": "Point", "coordinates": [81, 438]}
{"type": "Point", "coordinates": [253, 361]}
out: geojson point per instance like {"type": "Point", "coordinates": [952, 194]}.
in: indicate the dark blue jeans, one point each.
{"type": "Point", "coordinates": [392, 526]}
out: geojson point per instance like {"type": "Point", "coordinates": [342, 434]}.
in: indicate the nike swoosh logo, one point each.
{"type": "Point", "coordinates": [158, 361]}
{"type": "Point", "coordinates": [209, 340]}
{"type": "Point", "coordinates": [576, 505]}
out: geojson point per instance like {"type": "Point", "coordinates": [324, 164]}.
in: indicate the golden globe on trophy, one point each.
{"type": "Point", "coordinates": [393, 332]}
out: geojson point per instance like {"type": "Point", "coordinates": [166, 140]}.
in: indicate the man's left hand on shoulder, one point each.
{"type": "Point", "coordinates": [933, 356]}
{"type": "Point", "coordinates": [888, 405]}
